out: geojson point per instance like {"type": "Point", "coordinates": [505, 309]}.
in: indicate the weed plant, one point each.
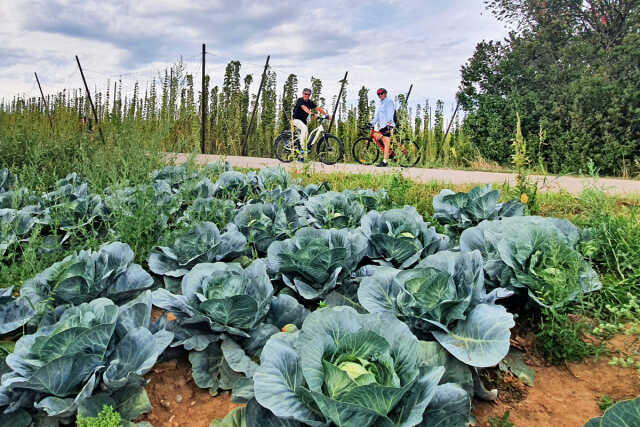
{"type": "Point", "coordinates": [106, 418]}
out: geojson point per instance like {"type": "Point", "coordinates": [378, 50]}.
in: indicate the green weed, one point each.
{"type": "Point", "coordinates": [605, 402]}
{"type": "Point", "coordinates": [106, 418]}
{"type": "Point", "coordinates": [501, 421]}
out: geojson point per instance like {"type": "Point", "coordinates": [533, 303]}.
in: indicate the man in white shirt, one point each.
{"type": "Point", "coordinates": [385, 119]}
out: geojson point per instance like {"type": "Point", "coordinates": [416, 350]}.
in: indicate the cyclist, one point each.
{"type": "Point", "coordinates": [384, 118]}
{"type": "Point", "coordinates": [303, 108]}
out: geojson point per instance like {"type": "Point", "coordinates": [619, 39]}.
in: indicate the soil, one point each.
{"type": "Point", "coordinates": [178, 402]}
{"type": "Point", "coordinates": [562, 395]}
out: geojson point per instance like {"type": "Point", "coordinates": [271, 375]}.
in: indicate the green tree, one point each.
{"type": "Point", "coordinates": [289, 93]}
{"type": "Point", "coordinates": [570, 67]}
{"type": "Point", "coordinates": [363, 107]}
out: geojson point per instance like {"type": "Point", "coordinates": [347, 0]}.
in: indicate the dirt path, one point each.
{"type": "Point", "coordinates": [570, 184]}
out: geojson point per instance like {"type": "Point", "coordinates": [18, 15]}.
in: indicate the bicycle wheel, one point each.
{"type": "Point", "coordinates": [365, 151]}
{"type": "Point", "coordinates": [330, 149]}
{"type": "Point", "coordinates": [283, 148]}
{"type": "Point", "coordinates": [407, 154]}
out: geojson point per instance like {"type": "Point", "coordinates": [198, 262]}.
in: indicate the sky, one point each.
{"type": "Point", "coordinates": [383, 43]}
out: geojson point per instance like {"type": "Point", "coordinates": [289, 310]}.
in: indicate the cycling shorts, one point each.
{"type": "Point", "coordinates": [386, 131]}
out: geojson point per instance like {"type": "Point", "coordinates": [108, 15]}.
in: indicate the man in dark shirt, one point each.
{"type": "Point", "coordinates": [303, 108]}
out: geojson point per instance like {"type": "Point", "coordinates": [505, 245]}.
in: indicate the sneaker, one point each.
{"type": "Point", "coordinates": [382, 165]}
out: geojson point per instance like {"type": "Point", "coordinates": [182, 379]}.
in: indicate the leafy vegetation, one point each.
{"type": "Point", "coordinates": [280, 262]}
{"type": "Point", "coordinates": [106, 418]}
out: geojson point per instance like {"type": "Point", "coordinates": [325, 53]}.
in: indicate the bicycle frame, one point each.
{"type": "Point", "coordinates": [312, 137]}
{"type": "Point", "coordinates": [372, 135]}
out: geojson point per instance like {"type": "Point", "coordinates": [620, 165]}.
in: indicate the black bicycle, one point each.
{"type": "Point", "coordinates": [329, 148]}
{"type": "Point", "coordinates": [367, 149]}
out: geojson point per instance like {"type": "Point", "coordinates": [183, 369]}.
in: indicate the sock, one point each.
{"type": "Point", "coordinates": [384, 161]}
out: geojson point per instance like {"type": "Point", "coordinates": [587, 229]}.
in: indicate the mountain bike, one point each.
{"type": "Point", "coordinates": [367, 149]}
{"type": "Point", "coordinates": [329, 148]}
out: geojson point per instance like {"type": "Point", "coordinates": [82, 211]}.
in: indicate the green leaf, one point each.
{"type": "Point", "coordinates": [482, 340]}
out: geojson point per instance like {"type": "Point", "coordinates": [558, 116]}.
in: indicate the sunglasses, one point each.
{"type": "Point", "coordinates": [380, 93]}
{"type": "Point", "coordinates": [306, 94]}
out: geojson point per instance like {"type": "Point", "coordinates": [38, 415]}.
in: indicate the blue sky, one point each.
{"type": "Point", "coordinates": [390, 43]}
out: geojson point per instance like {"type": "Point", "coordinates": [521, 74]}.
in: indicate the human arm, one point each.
{"type": "Point", "coordinates": [321, 111]}
{"type": "Point", "coordinates": [376, 117]}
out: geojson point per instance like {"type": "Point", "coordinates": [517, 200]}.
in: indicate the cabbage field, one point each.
{"type": "Point", "coordinates": [314, 307]}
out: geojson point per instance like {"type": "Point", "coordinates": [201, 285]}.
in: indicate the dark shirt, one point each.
{"type": "Point", "coordinates": [299, 113]}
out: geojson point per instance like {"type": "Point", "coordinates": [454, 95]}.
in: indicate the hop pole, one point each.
{"type": "Point", "coordinates": [406, 99]}
{"type": "Point", "coordinates": [335, 108]}
{"type": "Point", "coordinates": [46, 106]}
{"type": "Point", "coordinates": [203, 103]}
{"type": "Point", "coordinates": [255, 107]}
{"type": "Point", "coordinates": [93, 108]}
{"type": "Point", "coordinates": [451, 122]}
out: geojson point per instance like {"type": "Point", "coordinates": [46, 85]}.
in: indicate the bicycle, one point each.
{"type": "Point", "coordinates": [329, 148]}
{"type": "Point", "coordinates": [367, 149]}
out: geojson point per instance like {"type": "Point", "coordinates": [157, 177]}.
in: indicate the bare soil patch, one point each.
{"type": "Point", "coordinates": [178, 402]}
{"type": "Point", "coordinates": [564, 395]}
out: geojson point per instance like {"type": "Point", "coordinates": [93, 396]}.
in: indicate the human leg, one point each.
{"type": "Point", "coordinates": [304, 131]}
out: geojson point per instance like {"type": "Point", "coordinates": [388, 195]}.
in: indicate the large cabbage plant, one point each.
{"type": "Point", "coordinates": [314, 262]}
{"type": "Point", "coordinates": [273, 177]}
{"type": "Point", "coordinates": [218, 211]}
{"type": "Point", "coordinates": [460, 211]}
{"type": "Point", "coordinates": [14, 311]}
{"type": "Point", "coordinates": [224, 315]}
{"type": "Point", "coordinates": [400, 237]}
{"type": "Point", "coordinates": [533, 255]}
{"type": "Point", "coordinates": [96, 347]}
{"type": "Point", "coordinates": [348, 369]}
{"type": "Point", "coordinates": [201, 243]}
{"type": "Point", "coordinates": [339, 209]}
{"type": "Point", "coordinates": [444, 298]}
{"type": "Point", "coordinates": [263, 223]}
{"type": "Point", "coordinates": [332, 210]}
{"type": "Point", "coordinates": [235, 185]}
{"type": "Point", "coordinates": [8, 181]}
{"type": "Point", "coordinates": [87, 275]}
{"type": "Point", "coordinates": [15, 225]}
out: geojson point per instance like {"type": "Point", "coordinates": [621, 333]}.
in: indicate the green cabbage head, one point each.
{"type": "Point", "coordinates": [346, 368]}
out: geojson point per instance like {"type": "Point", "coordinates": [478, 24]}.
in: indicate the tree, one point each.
{"type": "Point", "coordinates": [268, 113]}
{"type": "Point", "coordinates": [363, 107]}
{"type": "Point", "coordinates": [562, 70]}
{"type": "Point", "coordinates": [316, 91]}
{"type": "Point", "coordinates": [289, 92]}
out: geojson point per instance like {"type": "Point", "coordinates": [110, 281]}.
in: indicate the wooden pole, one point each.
{"type": "Point", "coordinates": [451, 122]}
{"type": "Point", "coordinates": [406, 100]}
{"type": "Point", "coordinates": [203, 103]}
{"type": "Point", "coordinates": [335, 108]}
{"type": "Point", "coordinates": [46, 106]}
{"type": "Point", "coordinates": [93, 108]}
{"type": "Point", "coordinates": [255, 107]}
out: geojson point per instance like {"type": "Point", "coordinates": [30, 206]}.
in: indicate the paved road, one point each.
{"type": "Point", "coordinates": [572, 185]}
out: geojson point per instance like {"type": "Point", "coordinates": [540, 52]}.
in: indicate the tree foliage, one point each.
{"type": "Point", "coordinates": [570, 67]}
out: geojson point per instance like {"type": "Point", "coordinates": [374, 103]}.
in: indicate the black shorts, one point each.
{"type": "Point", "coordinates": [386, 131]}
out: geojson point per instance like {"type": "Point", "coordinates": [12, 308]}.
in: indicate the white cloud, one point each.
{"type": "Point", "coordinates": [388, 43]}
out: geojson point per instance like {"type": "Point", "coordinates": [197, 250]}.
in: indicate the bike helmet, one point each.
{"type": "Point", "coordinates": [381, 91]}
